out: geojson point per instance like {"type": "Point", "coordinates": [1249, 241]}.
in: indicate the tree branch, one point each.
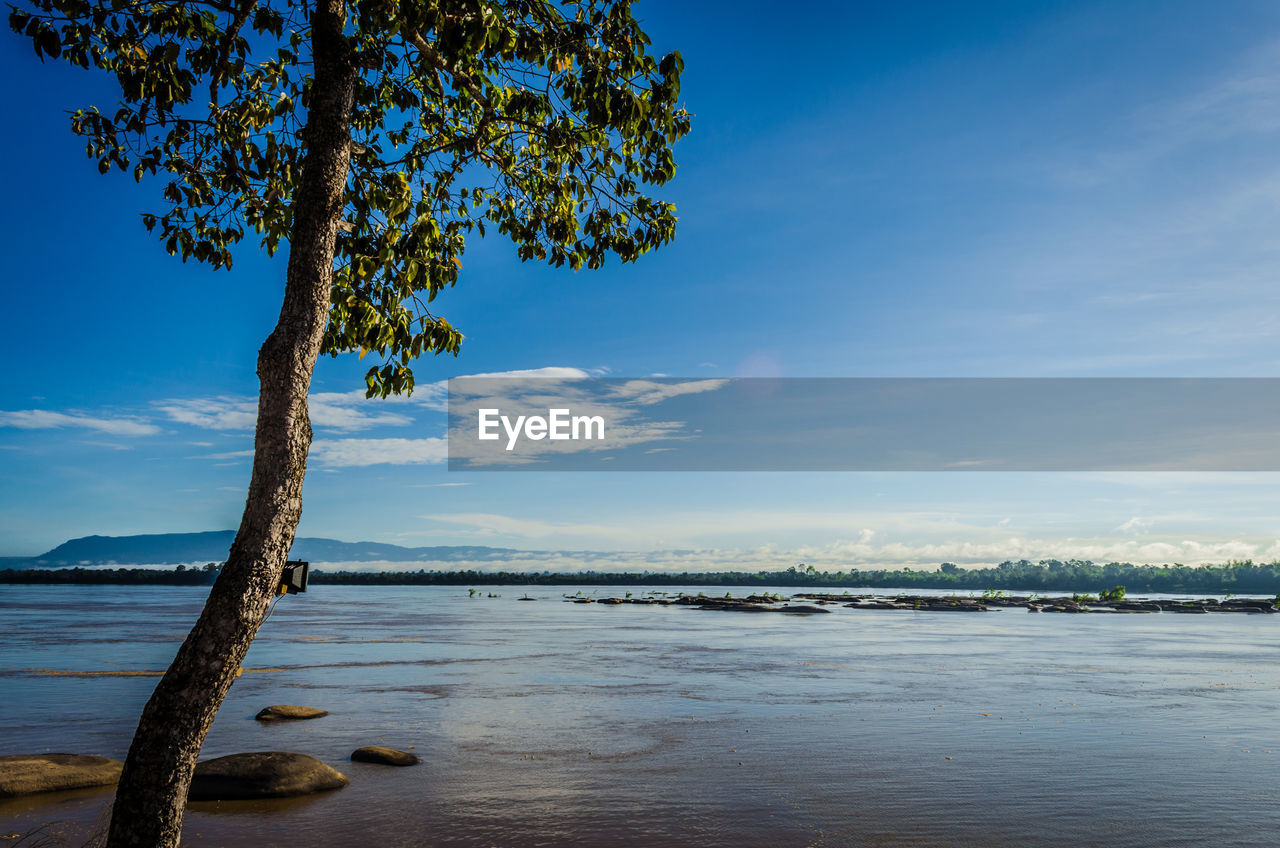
{"type": "Point", "coordinates": [233, 30]}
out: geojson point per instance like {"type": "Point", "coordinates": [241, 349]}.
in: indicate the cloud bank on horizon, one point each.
{"type": "Point", "coordinates": [987, 518]}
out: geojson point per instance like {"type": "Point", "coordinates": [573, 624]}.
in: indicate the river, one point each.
{"type": "Point", "coordinates": [557, 724]}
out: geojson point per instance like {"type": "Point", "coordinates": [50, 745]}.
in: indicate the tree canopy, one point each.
{"type": "Point", "coordinates": [547, 121]}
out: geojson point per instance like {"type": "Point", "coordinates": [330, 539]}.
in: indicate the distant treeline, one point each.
{"type": "Point", "coordinates": [1044, 576]}
{"type": "Point", "coordinates": [180, 576]}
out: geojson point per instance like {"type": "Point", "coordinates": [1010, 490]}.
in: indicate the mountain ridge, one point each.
{"type": "Point", "coordinates": [212, 546]}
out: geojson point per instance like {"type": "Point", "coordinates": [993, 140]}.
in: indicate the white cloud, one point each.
{"type": "Point", "coordinates": [680, 542]}
{"type": "Point", "coordinates": [240, 454]}
{"type": "Point", "coordinates": [834, 557]}
{"type": "Point", "coordinates": [347, 453]}
{"type": "Point", "coordinates": [647, 393]}
{"type": "Point", "coordinates": [344, 412]}
{"type": "Point", "coordinates": [217, 413]}
{"type": "Point", "coordinates": [549, 372]}
{"type": "Point", "coordinates": [858, 555]}
{"type": "Point", "coordinates": [433, 396]}
{"type": "Point", "coordinates": [1135, 526]}
{"type": "Point", "coordinates": [40, 419]}
{"type": "Point", "coordinates": [502, 382]}
{"type": "Point", "coordinates": [332, 410]}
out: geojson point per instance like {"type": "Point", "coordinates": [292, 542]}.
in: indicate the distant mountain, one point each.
{"type": "Point", "coordinates": [199, 548]}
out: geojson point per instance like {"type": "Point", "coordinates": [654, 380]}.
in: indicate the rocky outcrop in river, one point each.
{"type": "Point", "coordinates": [1074, 604]}
{"type": "Point", "coordinates": [262, 774]}
{"type": "Point", "coordinates": [27, 774]}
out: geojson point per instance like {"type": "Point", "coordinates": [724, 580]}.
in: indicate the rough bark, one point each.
{"type": "Point", "coordinates": [151, 798]}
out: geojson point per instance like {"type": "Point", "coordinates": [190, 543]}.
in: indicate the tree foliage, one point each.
{"type": "Point", "coordinates": [547, 121]}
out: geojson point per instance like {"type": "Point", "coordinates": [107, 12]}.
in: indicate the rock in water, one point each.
{"type": "Point", "coordinates": [383, 756]}
{"type": "Point", "coordinates": [26, 774]}
{"type": "Point", "coordinates": [288, 712]}
{"type": "Point", "coordinates": [262, 774]}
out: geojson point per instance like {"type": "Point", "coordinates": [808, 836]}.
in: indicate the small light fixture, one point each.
{"type": "Point", "coordinates": [294, 578]}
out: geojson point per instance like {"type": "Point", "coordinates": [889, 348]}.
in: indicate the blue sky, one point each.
{"type": "Point", "coordinates": [979, 189]}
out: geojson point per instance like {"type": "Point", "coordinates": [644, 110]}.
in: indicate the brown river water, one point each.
{"type": "Point", "coordinates": [557, 724]}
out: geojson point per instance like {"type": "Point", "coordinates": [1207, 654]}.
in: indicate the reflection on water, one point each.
{"type": "Point", "coordinates": [582, 725]}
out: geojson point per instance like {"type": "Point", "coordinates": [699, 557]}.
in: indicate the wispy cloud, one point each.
{"type": "Point", "coordinates": [648, 393]}
{"type": "Point", "coordinates": [1135, 526]}
{"type": "Point", "coordinates": [1158, 212]}
{"type": "Point", "coordinates": [217, 413]}
{"type": "Point", "coordinates": [351, 411]}
{"type": "Point", "coordinates": [41, 419]}
{"type": "Point", "coordinates": [333, 410]}
{"type": "Point", "coordinates": [240, 454]}
{"type": "Point", "coordinates": [1244, 100]}
{"type": "Point", "coordinates": [347, 453]}
{"type": "Point", "coordinates": [770, 538]}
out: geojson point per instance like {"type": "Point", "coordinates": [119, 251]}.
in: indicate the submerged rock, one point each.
{"type": "Point", "coordinates": [383, 756]}
{"type": "Point", "coordinates": [288, 712]}
{"type": "Point", "coordinates": [1075, 604]}
{"type": "Point", "coordinates": [735, 607]}
{"type": "Point", "coordinates": [1137, 606]}
{"type": "Point", "coordinates": [1247, 605]}
{"type": "Point", "coordinates": [963, 606]}
{"type": "Point", "coordinates": [262, 774]}
{"type": "Point", "coordinates": [922, 604]}
{"type": "Point", "coordinates": [27, 774]}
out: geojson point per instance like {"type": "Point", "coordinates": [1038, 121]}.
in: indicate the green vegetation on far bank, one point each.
{"type": "Point", "coordinates": [1046, 575]}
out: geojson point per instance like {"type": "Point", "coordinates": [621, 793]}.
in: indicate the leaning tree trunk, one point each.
{"type": "Point", "coordinates": [152, 795]}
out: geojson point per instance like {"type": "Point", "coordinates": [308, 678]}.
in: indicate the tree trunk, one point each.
{"type": "Point", "coordinates": [152, 795]}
